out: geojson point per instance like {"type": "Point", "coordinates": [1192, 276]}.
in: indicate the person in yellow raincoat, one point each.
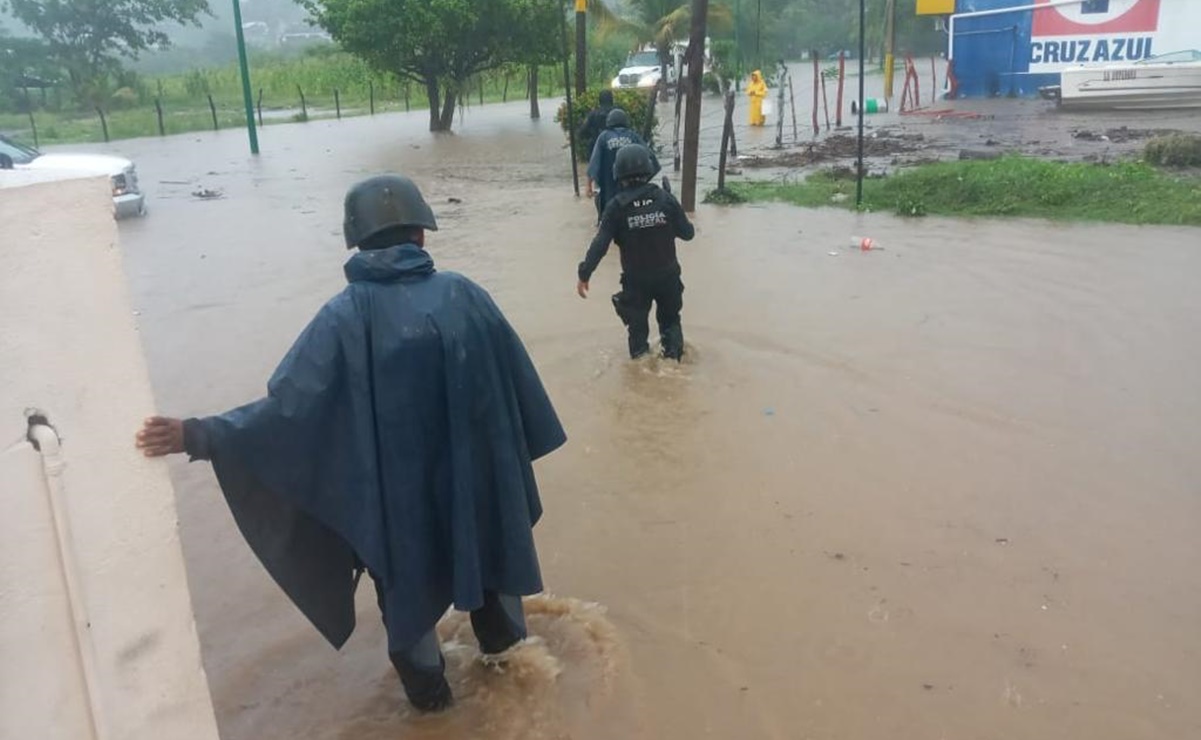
{"type": "Point", "coordinates": [757, 91]}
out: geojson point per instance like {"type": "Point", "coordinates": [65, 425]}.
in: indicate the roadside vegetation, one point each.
{"type": "Point", "coordinates": [149, 59]}
{"type": "Point", "coordinates": [1126, 192]}
{"type": "Point", "coordinates": [278, 83]}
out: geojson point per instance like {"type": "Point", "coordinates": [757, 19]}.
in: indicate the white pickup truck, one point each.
{"type": "Point", "coordinates": [643, 69]}
{"type": "Point", "coordinates": [128, 199]}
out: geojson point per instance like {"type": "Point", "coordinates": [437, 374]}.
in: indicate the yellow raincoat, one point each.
{"type": "Point", "coordinates": [757, 91]}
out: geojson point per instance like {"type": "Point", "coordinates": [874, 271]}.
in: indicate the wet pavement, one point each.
{"type": "Point", "coordinates": [944, 490]}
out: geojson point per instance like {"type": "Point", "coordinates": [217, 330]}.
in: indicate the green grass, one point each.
{"type": "Point", "coordinates": [1131, 192]}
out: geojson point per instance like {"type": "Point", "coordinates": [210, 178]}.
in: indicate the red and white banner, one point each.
{"type": "Point", "coordinates": [1093, 32]}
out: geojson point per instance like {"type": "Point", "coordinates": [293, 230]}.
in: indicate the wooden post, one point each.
{"type": "Point", "coordinates": [842, 79]}
{"type": "Point", "coordinates": [676, 158]}
{"type": "Point", "coordinates": [692, 114]}
{"type": "Point", "coordinates": [260, 107]}
{"type": "Point", "coordinates": [727, 131]}
{"type": "Point", "coordinates": [337, 104]}
{"type": "Point", "coordinates": [304, 106]}
{"type": "Point", "coordinates": [33, 125]}
{"type": "Point", "coordinates": [917, 88]}
{"type": "Point", "coordinates": [780, 109]}
{"type": "Point", "coordinates": [481, 81]}
{"type": "Point", "coordinates": [213, 110]}
{"type": "Point", "coordinates": [933, 81]}
{"type": "Point", "coordinates": [890, 44]}
{"type": "Point", "coordinates": [371, 95]}
{"type": "Point", "coordinates": [406, 96]}
{"type": "Point", "coordinates": [158, 109]}
{"type": "Point", "coordinates": [825, 102]}
{"type": "Point", "coordinates": [504, 96]}
{"type": "Point", "coordinates": [103, 122]}
{"type": "Point", "coordinates": [817, 81]}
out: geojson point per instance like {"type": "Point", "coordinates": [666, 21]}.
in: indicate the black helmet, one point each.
{"type": "Point", "coordinates": [633, 162]}
{"type": "Point", "coordinates": [384, 202]}
{"type": "Point", "coordinates": [617, 118]}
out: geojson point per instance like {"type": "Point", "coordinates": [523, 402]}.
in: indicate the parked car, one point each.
{"type": "Point", "coordinates": [128, 199]}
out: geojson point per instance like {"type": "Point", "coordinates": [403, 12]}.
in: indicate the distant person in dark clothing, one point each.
{"type": "Point", "coordinates": [594, 122]}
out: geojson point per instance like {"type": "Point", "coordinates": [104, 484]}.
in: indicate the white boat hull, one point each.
{"type": "Point", "coordinates": [1132, 87]}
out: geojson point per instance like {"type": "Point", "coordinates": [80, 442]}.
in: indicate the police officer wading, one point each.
{"type": "Point", "coordinates": [380, 447]}
{"type": "Point", "coordinates": [617, 134]}
{"type": "Point", "coordinates": [645, 221]}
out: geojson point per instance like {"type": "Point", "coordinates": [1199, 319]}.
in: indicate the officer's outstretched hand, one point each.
{"type": "Point", "coordinates": [160, 436]}
{"type": "Point", "coordinates": [582, 288]}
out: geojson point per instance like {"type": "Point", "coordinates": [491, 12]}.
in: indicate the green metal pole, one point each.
{"type": "Point", "coordinates": [246, 96]}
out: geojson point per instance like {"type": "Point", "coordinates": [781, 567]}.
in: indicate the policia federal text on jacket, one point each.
{"type": "Point", "coordinates": [645, 221]}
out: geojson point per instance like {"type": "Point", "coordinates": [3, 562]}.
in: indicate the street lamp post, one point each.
{"type": "Point", "coordinates": [246, 95]}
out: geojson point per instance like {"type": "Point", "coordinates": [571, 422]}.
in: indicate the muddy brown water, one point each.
{"type": "Point", "coordinates": [945, 490]}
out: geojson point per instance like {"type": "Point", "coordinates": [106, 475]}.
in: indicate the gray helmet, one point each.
{"type": "Point", "coordinates": [617, 118]}
{"type": "Point", "coordinates": [384, 202]}
{"type": "Point", "coordinates": [633, 162]}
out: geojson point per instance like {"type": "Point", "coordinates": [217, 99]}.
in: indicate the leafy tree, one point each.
{"type": "Point", "coordinates": [536, 40]}
{"type": "Point", "coordinates": [88, 38]}
{"type": "Point", "coordinates": [439, 44]}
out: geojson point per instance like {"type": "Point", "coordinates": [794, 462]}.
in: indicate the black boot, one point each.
{"type": "Point", "coordinates": [428, 691]}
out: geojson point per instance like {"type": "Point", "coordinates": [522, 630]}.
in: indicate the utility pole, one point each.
{"type": "Point", "coordinates": [862, 72]}
{"type": "Point", "coordinates": [247, 98]}
{"type": "Point", "coordinates": [581, 46]}
{"type": "Point", "coordinates": [692, 111]}
{"type": "Point", "coordinates": [575, 165]}
{"type": "Point", "coordinates": [890, 46]}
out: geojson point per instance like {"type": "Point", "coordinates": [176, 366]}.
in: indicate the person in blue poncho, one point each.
{"type": "Point", "coordinates": [617, 134]}
{"type": "Point", "coordinates": [397, 437]}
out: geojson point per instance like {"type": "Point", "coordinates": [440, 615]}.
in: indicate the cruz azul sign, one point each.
{"type": "Point", "coordinates": [1096, 32]}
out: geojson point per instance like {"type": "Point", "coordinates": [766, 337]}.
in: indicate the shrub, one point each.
{"type": "Point", "coordinates": [1176, 150]}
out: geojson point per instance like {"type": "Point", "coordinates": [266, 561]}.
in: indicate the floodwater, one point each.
{"type": "Point", "coordinates": [945, 490]}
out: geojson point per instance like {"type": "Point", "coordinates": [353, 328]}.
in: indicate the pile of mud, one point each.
{"type": "Point", "coordinates": [883, 143]}
{"type": "Point", "coordinates": [1123, 134]}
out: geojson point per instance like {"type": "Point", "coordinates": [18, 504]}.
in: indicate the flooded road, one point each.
{"type": "Point", "coordinates": [945, 490]}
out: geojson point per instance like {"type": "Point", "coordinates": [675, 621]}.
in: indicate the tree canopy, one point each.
{"type": "Point", "coordinates": [88, 38]}
{"type": "Point", "coordinates": [442, 44]}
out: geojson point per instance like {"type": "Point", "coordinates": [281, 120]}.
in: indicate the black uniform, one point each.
{"type": "Point", "coordinates": [645, 221]}
{"type": "Point", "coordinates": [593, 125]}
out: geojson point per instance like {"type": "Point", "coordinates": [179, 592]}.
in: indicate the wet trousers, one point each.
{"type": "Point", "coordinates": [633, 306]}
{"type": "Point", "coordinates": [498, 625]}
